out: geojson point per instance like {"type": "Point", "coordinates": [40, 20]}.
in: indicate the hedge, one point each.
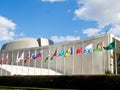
{"type": "Point", "coordinates": [102, 82]}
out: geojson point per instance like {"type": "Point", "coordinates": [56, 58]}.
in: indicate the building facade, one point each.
{"type": "Point", "coordinates": [42, 57]}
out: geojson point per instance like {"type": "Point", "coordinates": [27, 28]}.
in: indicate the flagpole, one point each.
{"type": "Point", "coordinates": [42, 62]}
{"type": "Point", "coordinates": [0, 63]}
{"type": "Point", "coordinates": [6, 61]}
{"type": "Point", "coordinates": [29, 57]}
{"type": "Point", "coordinates": [103, 52]}
{"type": "Point", "coordinates": [56, 66]}
{"type": "Point", "coordinates": [92, 59]}
{"type": "Point", "coordinates": [115, 59]}
{"type": "Point", "coordinates": [17, 63]}
{"type": "Point", "coordinates": [60, 61]}
{"type": "Point", "coordinates": [64, 62]}
{"type": "Point", "coordinates": [82, 59]}
{"type": "Point", "coordinates": [12, 62]}
{"type": "Point", "coordinates": [56, 62]}
{"type": "Point", "coordinates": [3, 58]}
{"type": "Point", "coordinates": [35, 62]}
{"type": "Point", "coordinates": [73, 59]}
{"type": "Point", "coordinates": [48, 61]}
{"type": "Point", "coordinates": [22, 63]}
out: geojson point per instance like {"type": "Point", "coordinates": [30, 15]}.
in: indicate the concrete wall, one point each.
{"type": "Point", "coordinates": [75, 64]}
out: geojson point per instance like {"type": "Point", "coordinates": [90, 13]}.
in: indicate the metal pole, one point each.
{"type": "Point", "coordinates": [92, 58]}
{"type": "Point", "coordinates": [49, 61]}
{"type": "Point", "coordinates": [42, 62]}
{"type": "Point", "coordinates": [64, 63]}
{"type": "Point", "coordinates": [12, 62]}
{"type": "Point", "coordinates": [1, 62]}
{"type": "Point", "coordinates": [82, 59]}
{"type": "Point", "coordinates": [22, 63]}
{"type": "Point", "coordinates": [56, 63]}
{"type": "Point", "coordinates": [17, 59]}
{"type": "Point", "coordinates": [35, 63]}
{"type": "Point", "coordinates": [115, 60]}
{"type": "Point", "coordinates": [6, 62]}
{"type": "Point", "coordinates": [73, 59]}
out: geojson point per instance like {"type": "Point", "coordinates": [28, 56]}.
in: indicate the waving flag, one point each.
{"type": "Point", "coordinates": [71, 51]}
{"type": "Point", "coordinates": [0, 62]}
{"type": "Point", "coordinates": [88, 49]}
{"type": "Point", "coordinates": [39, 54]}
{"type": "Point", "coordinates": [20, 58]}
{"type": "Point", "coordinates": [68, 52]}
{"type": "Point", "coordinates": [110, 46]}
{"type": "Point", "coordinates": [33, 56]}
{"type": "Point", "coordinates": [27, 57]}
{"type": "Point", "coordinates": [46, 59]}
{"type": "Point", "coordinates": [79, 50]}
{"type": "Point", "coordinates": [99, 47]}
{"type": "Point", "coordinates": [62, 53]}
{"type": "Point", "coordinates": [11, 59]}
{"type": "Point", "coordinates": [55, 54]}
{"type": "Point", "coordinates": [6, 59]}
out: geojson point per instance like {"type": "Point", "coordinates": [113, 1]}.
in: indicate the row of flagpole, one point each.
{"type": "Point", "coordinates": [41, 66]}
{"type": "Point", "coordinates": [18, 60]}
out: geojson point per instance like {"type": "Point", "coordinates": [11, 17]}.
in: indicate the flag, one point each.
{"type": "Point", "coordinates": [71, 51]}
{"type": "Point", "coordinates": [27, 57]}
{"type": "Point", "coordinates": [88, 49]}
{"type": "Point", "coordinates": [5, 60]}
{"type": "Point", "coordinates": [79, 50]}
{"type": "Point", "coordinates": [62, 53]}
{"type": "Point", "coordinates": [33, 56]}
{"type": "Point", "coordinates": [110, 46]}
{"type": "Point", "coordinates": [10, 59]}
{"type": "Point", "coordinates": [20, 58]}
{"type": "Point", "coordinates": [68, 52]}
{"type": "Point", "coordinates": [39, 54]}
{"type": "Point", "coordinates": [1, 62]}
{"type": "Point", "coordinates": [46, 59]}
{"type": "Point", "coordinates": [55, 54]}
{"type": "Point", "coordinates": [99, 47]}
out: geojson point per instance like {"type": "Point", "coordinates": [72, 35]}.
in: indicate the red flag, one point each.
{"type": "Point", "coordinates": [79, 50]}
{"type": "Point", "coordinates": [55, 54]}
{"type": "Point", "coordinates": [39, 54]}
{"type": "Point", "coordinates": [1, 62]}
{"type": "Point", "coordinates": [5, 60]}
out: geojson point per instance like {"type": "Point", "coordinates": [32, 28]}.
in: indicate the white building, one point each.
{"type": "Point", "coordinates": [77, 63]}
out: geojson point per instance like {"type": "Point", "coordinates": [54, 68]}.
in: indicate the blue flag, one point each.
{"type": "Point", "coordinates": [62, 53]}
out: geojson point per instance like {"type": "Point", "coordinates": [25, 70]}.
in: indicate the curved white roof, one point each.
{"type": "Point", "coordinates": [26, 43]}
{"type": "Point", "coordinates": [21, 43]}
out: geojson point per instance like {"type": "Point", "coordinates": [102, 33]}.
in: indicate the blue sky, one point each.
{"type": "Point", "coordinates": [58, 20]}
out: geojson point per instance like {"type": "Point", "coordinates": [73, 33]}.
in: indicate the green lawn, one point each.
{"type": "Point", "coordinates": [28, 88]}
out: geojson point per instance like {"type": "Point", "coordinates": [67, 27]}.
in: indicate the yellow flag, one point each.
{"type": "Point", "coordinates": [67, 53]}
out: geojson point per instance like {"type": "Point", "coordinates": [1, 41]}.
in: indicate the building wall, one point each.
{"type": "Point", "coordinates": [75, 64]}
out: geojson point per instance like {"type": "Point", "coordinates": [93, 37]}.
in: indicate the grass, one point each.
{"type": "Point", "coordinates": [28, 88]}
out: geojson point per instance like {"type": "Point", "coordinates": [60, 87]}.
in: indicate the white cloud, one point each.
{"type": "Point", "coordinates": [52, 1]}
{"type": "Point", "coordinates": [7, 28]}
{"type": "Point", "coordinates": [104, 12]}
{"type": "Point", "coordinates": [91, 31]}
{"type": "Point", "coordinates": [115, 30]}
{"type": "Point", "coordinates": [58, 39]}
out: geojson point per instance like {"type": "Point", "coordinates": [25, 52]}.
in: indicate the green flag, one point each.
{"type": "Point", "coordinates": [46, 59]}
{"type": "Point", "coordinates": [10, 60]}
{"type": "Point", "coordinates": [111, 46]}
{"type": "Point", "coordinates": [99, 47]}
